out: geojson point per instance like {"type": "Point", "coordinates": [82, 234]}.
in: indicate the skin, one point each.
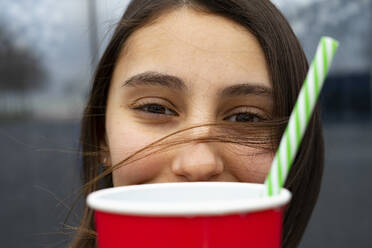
{"type": "Point", "coordinates": [209, 53]}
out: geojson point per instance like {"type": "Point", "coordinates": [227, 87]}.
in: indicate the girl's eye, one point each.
{"type": "Point", "coordinates": [158, 109]}
{"type": "Point", "coordinates": [154, 108]}
{"type": "Point", "coordinates": [244, 117]}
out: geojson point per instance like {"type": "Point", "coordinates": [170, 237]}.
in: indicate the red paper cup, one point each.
{"type": "Point", "coordinates": [188, 215]}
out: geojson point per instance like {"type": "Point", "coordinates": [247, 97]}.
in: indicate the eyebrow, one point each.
{"type": "Point", "coordinates": [151, 79]}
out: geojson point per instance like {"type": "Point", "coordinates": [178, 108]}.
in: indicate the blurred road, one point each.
{"type": "Point", "coordinates": [40, 166]}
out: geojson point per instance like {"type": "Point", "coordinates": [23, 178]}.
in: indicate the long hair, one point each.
{"type": "Point", "coordinates": [287, 66]}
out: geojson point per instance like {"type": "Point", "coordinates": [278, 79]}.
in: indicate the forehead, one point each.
{"type": "Point", "coordinates": [195, 46]}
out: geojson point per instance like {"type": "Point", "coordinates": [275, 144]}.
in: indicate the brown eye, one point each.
{"type": "Point", "coordinates": [153, 108]}
{"type": "Point", "coordinates": [244, 117]}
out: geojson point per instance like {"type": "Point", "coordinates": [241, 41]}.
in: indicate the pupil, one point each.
{"type": "Point", "coordinates": [156, 109]}
{"type": "Point", "coordinates": [243, 117]}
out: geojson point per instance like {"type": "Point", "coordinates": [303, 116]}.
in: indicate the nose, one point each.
{"type": "Point", "coordinates": [197, 162]}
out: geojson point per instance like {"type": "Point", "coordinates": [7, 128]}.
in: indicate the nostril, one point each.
{"type": "Point", "coordinates": [199, 172]}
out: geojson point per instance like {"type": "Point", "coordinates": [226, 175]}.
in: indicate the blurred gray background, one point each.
{"type": "Point", "coordinates": [48, 50]}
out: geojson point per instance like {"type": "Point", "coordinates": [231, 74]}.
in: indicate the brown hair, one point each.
{"type": "Point", "coordinates": [287, 66]}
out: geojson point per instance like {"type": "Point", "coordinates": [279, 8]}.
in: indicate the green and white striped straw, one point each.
{"type": "Point", "coordinates": [300, 116]}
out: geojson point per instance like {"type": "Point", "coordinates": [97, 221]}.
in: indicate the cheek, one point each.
{"type": "Point", "coordinates": [249, 164]}
{"type": "Point", "coordinates": [125, 140]}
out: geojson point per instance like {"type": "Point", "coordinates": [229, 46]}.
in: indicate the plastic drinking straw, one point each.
{"type": "Point", "coordinates": [300, 116]}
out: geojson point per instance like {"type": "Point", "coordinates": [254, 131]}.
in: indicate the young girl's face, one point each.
{"type": "Point", "coordinates": [186, 69]}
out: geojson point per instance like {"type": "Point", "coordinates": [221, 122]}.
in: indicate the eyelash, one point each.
{"type": "Point", "coordinates": [140, 107]}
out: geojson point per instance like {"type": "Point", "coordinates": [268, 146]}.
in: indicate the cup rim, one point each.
{"type": "Point", "coordinates": [96, 201]}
